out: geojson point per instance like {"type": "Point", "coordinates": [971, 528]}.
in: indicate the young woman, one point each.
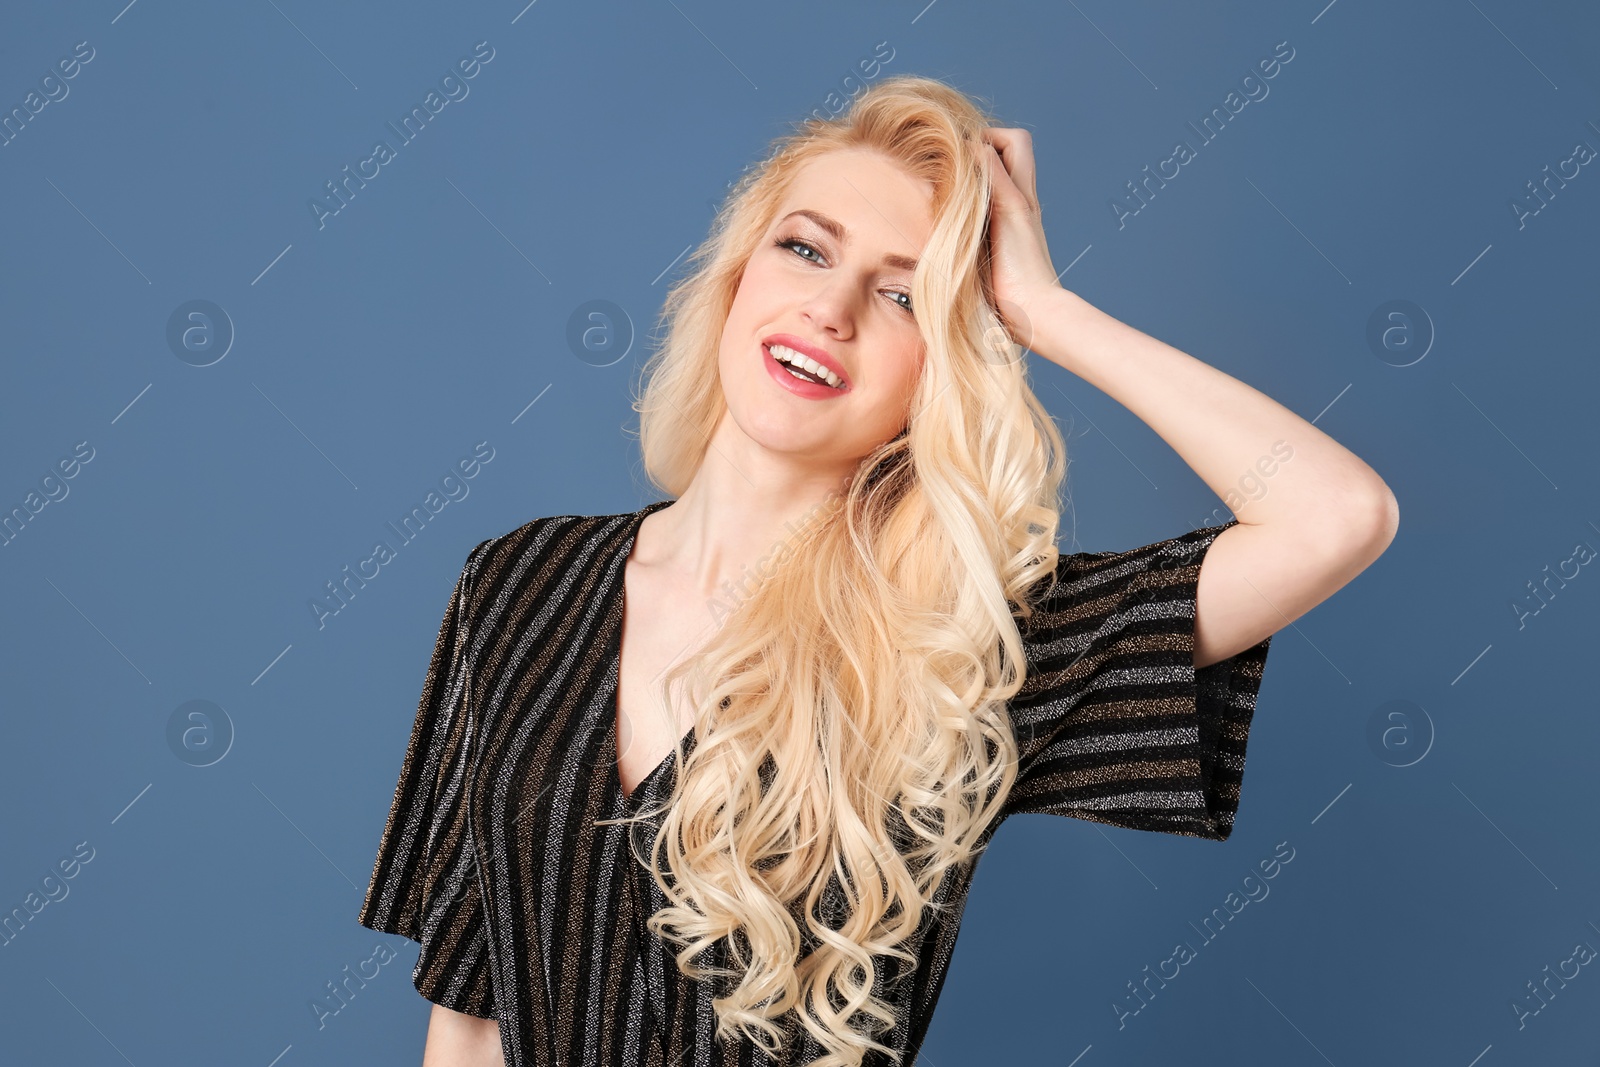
{"type": "Point", "coordinates": [736, 822]}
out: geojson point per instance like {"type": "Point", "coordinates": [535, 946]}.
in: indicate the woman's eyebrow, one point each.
{"type": "Point", "coordinates": [836, 230]}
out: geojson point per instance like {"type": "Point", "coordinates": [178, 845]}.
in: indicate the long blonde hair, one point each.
{"type": "Point", "coordinates": [850, 713]}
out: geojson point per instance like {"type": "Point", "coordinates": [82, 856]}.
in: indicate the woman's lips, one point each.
{"type": "Point", "coordinates": [809, 390]}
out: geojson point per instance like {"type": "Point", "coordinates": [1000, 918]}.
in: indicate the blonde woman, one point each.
{"type": "Point", "coordinates": [706, 783]}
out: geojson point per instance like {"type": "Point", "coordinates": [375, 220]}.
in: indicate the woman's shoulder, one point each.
{"type": "Point", "coordinates": [543, 541]}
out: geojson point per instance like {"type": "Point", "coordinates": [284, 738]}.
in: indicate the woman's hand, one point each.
{"type": "Point", "coordinates": [1021, 275]}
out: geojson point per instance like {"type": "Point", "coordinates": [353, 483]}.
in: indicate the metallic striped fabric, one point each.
{"type": "Point", "coordinates": [529, 913]}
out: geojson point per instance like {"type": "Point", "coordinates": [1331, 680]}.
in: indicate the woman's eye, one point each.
{"type": "Point", "coordinates": [794, 243]}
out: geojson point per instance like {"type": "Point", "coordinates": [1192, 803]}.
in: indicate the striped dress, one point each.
{"type": "Point", "coordinates": [529, 913]}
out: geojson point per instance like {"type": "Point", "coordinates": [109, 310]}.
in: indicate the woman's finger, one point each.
{"type": "Point", "coordinates": [1015, 147]}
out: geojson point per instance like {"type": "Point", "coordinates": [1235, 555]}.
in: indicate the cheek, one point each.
{"type": "Point", "coordinates": [911, 370]}
{"type": "Point", "coordinates": [728, 369]}
{"type": "Point", "coordinates": [897, 387]}
{"type": "Point", "coordinates": [758, 279]}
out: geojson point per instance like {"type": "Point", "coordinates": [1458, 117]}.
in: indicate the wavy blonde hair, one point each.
{"type": "Point", "coordinates": [851, 735]}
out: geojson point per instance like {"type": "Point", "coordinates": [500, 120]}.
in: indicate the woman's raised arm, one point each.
{"type": "Point", "coordinates": [1325, 516]}
{"type": "Point", "coordinates": [456, 1039]}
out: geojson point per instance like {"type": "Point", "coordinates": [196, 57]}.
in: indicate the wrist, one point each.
{"type": "Point", "coordinates": [1049, 320]}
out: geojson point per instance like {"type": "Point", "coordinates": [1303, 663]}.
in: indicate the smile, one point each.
{"type": "Point", "coordinates": [804, 367]}
{"type": "Point", "coordinates": [800, 374]}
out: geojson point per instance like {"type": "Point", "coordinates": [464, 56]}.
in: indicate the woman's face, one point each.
{"type": "Point", "coordinates": [837, 290]}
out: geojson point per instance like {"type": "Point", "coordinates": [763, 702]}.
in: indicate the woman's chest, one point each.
{"type": "Point", "coordinates": [661, 628]}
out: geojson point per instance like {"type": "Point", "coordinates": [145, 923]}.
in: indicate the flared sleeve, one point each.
{"type": "Point", "coordinates": [1114, 724]}
{"type": "Point", "coordinates": [425, 881]}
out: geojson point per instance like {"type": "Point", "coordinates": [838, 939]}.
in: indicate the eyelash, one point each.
{"type": "Point", "coordinates": [785, 242]}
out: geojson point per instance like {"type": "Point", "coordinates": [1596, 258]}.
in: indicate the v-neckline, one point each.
{"type": "Point", "coordinates": [630, 799]}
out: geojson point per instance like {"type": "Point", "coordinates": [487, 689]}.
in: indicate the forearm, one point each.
{"type": "Point", "coordinates": [1224, 429]}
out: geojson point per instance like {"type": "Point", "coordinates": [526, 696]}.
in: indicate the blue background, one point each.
{"type": "Point", "coordinates": [370, 353]}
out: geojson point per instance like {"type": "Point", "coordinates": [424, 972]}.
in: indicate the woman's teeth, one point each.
{"type": "Point", "coordinates": [797, 362]}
